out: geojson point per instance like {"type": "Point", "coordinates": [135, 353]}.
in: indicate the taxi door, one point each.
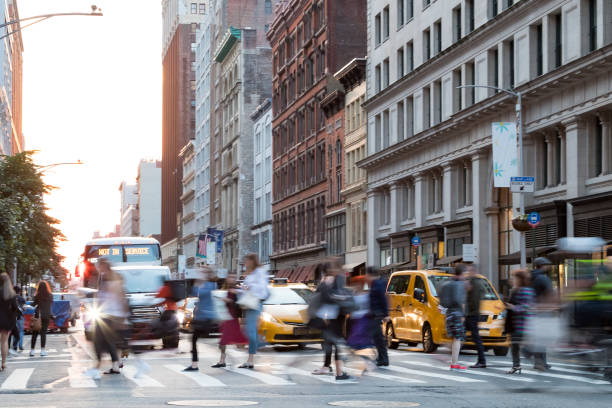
{"type": "Point", "coordinates": [397, 293]}
{"type": "Point", "coordinates": [418, 308]}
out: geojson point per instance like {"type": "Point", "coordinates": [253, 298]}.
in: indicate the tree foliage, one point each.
{"type": "Point", "coordinates": [27, 233]}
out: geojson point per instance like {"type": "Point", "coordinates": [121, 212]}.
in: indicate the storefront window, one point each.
{"type": "Point", "coordinates": [505, 230]}
{"type": "Point", "coordinates": [385, 256]}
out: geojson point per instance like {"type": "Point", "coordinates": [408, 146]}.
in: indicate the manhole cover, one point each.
{"type": "Point", "coordinates": [374, 404]}
{"type": "Point", "coordinates": [212, 403]}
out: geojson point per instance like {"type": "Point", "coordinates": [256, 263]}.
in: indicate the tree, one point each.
{"type": "Point", "coordinates": [27, 234]}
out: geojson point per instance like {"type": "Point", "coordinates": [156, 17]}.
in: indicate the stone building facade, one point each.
{"type": "Point", "coordinates": [429, 142]}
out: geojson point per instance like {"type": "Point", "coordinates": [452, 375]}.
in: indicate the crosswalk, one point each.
{"type": "Point", "coordinates": [170, 374]}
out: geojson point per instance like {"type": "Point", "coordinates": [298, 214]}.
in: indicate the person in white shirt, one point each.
{"type": "Point", "coordinates": [256, 285]}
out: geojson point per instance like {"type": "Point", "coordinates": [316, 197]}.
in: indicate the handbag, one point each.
{"type": "Point", "coordinates": [35, 324]}
{"type": "Point", "coordinates": [248, 301]}
{"type": "Point", "coordinates": [221, 311]}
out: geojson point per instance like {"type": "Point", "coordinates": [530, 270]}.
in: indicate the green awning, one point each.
{"type": "Point", "coordinates": [228, 42]}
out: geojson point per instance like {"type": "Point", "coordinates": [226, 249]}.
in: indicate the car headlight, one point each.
{"type": "Point", "coordinates": [93, 313]}
{"type": "Point", "coordinates": [502, 315]}
{"type": "Point", "coordinates": [180, 316]}
{"type": "Point", "coordinates": [267, 317]}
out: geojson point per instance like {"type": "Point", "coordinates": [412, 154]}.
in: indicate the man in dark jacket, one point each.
{"type": "Point", "coordinates": [472, 315]}
{"type": "Point", "coordinates": [379, 312]}
{"type": "Point", "coordinates": [542, 286]}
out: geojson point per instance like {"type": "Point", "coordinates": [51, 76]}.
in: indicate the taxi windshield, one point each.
{"type": "Point", "coordinates": [436, 282]}
{"type": "Point", "coordinates": [288, 296]}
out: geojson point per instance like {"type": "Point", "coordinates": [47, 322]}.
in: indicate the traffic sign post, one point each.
{"type": "Point", "coordinates": [416, 241]}
{"type": "Point", "coordinates": [534, 219]}
{"type": "Point", "coordinates": [522, 184]}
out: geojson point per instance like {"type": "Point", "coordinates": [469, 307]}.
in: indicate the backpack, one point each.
{"type": "Point", "coordinates": [447, 295]}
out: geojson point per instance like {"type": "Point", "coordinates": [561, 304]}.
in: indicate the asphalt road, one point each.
{"type": "Point", "coordinates": [282, 379]}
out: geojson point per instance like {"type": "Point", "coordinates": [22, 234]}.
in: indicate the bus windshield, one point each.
{"type": "Point", "coordinates": [124, 253]}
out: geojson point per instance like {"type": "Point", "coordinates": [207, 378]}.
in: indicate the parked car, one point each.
{"type": "Point", "coordinates": [416, 316]}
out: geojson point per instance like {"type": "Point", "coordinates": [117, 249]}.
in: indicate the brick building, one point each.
{"type": "Point", "coordinates": [311, 40]}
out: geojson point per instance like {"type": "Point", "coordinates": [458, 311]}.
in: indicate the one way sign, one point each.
{"type": "Point", "coordinates": [522, 184]}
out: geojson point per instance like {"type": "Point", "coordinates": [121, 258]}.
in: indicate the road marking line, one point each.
{"type": "Point", "coordinates": [386, 377]}
{"type": "Point", "coordinates": [83, 346]}
{"type": "Point", "coordinates": [427, 374]}
{"type": "Point", "coordinates": [258, 375]}
{"type": "Point", "coordinates": [39, 358]}
{"type": "Point", "coordinates": [566, 370]}
{"type": "Point", "coordinates": [18, 380]}
{"type": "Point", "coordinates": [78, 379]}
{"type": "Point", "coordinates": [143, 381]}
{"type": "Point", "coordinates": [565, 377]}
{"type": "Point", "coordinates": [479, 372]}
{"type": "Point", "coordinates": [298, 371]}
{"type": "Point", "coordinates": [201, 379]}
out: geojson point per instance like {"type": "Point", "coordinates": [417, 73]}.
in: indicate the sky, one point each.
{"type": "Point", "coordinates": [91, 92]}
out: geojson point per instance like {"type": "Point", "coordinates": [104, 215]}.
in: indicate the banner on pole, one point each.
{"type": "Point", "coordinates": [505, 153]}
{"type": "Point", "coordinates": [202, 246]}
{"type": "Point", "coordinates": [216, 235]}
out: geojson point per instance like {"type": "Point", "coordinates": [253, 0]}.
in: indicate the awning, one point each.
{"type": "Point", "coordinates": [294, 274]}
{"type": "Point", "coordinates": [306, 274]}
{"type": "Point", "coordinates": [515, 257]}
{"type": "Point", "coordinates": [352, 266]}
{"type": "Point", "coordinates": [449, 260]}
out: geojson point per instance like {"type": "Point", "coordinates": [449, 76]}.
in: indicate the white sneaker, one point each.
{"type": "Point", "coordinates": [43, 353]}
{"type": "Point", "coordinates": [31, 353]}
{"type": "Point", "coordinates": [13, 352]}
{"type": "Point", "coordinates": [93, 373]}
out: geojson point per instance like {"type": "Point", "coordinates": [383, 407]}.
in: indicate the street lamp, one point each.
{"type": "Point", "coordinates": [95, 12]}
{"type": "Point", "coordinates": [519, 127]}
{"type": "Point", "coordinates": [42, 169]}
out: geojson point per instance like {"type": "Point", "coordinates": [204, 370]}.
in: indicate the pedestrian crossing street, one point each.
{"type": "Point", "coordinates": [64, 368]}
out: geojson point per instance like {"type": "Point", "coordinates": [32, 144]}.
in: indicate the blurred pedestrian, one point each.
{"type": "Point", "coordinates": [543, 297]}
{"type": "Point", "coordinates": [17, 333]}
{"type": "Point", "coordinates": [360, 324]}
{"type": "Point", "coordinates": [327, 312]}
{"type": "Point", "coordinates": [379, 313]}
{"type": "Point", "coordinates": [43, 301]}
{"type": "Point", "coordinates": [231, 333]}
{"type": "Point", "coordinates": [255, 291]}
{"type": "Point", "coordinates": [112, 315]}
{"type": "Point", "coordinates": [452, 298]}
{"type": "Point", "coordinates": [8, 314]}
{"type": "Point", "coordinates": [475, 293]}
{"type": "Point", "coordinates": [168, 325]}
{"type": "Point", "coordinates": [519, 311]}
{"type": "Point", "coordinates": [203, 315]}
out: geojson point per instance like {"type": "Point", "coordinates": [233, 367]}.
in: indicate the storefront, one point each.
{"type": "Point", "coordinates": [457, 233]}
{"type": "Point", "coordinates": [432, 245]}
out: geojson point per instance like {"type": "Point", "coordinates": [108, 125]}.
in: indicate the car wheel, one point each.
{"type": "Point", "coordinates": [301, 346]}
{"type": "Point", "coordinates": [390, 336]}
{"type": "Point", "coordinates": [500, 351]}
{"type": "Point", "coordinates": [63, 330]}
{"type": "Point", "coordinates": [428, 344]}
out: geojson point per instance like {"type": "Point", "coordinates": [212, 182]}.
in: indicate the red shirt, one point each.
{"type": "Point", "coordinates": [166, 293]}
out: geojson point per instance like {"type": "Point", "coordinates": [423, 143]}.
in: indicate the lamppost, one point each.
{"type": "Point", "coordinates": [519, 127]}
{"type": "Point", "coordinates": [95, 12]}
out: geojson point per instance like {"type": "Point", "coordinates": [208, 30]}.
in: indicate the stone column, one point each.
{"type": "Point", "coordinates": [395, 206]}
{"type": "Point", "coordinates": [549, 140]}
{"type": "Point", "coordinates": [372, 228]}
{"type": "Point", "coordinates": [447, 196]}
{"type": "Point", "coordinates": [576, 156]}
{"type": "Point", "coordinates": [480, 177]}
{"type": "Point", "coordinates": [606, 153]}
{"type": "Point", "coordinates": [561, 141]}
{"type": "Point", "coordinates": [419, 200]}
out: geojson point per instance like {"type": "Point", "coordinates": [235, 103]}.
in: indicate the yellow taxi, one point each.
{"type": "Point", "coordinates": [415, 316]}
{"type": "Point", "coordinates": [284, 316]}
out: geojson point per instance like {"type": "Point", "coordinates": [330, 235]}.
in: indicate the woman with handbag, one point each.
{"type": "Point", "coordinates": [203, 315]}
{"type": "Point", "coordinates": [231, 333]}
{"type": "Point", "coordinates": [8, 314]}
{"type": "Point", "coordinates": [519, 313]}
{"type": "Point", "coordinates": [255, 291]}
{"type": "Point", "coordinates": [43, 300]}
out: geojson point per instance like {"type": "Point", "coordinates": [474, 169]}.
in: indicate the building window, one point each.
{"type": "Point", "coordinates": [386, 29]}
{"type": "Point", "coordinates": [456, 24]}
{"type": "Point", "coordinates": [268, 6]}
{"type": "Point", "coordinates": [400, 13]}
{"type": "Point", "coordinates": [385, 130]}
{"type": "Point", "coordinates": [400, 121]}
{"type": "Point", "coordinates": [378, 79]}
{"type": "Point", "coordinates": [409, 56]}
{"type": "Point", "coordinates": [470, 79]}
{"type": "Point", "coordinates": [456, 90]}
{"type": "Point", "coordinates": [492, 8]}
{"type": "Point", "coordinates": [377, 29]}
{"type": "Point", "coordinates": [435, 192]}
{"type": "Point", "coordinates": [469, 16]}
{"type": "Point", "coordinates": [194, 8]}
{"type": "Point", "coordinates": [539, 50]}
{"type": "Point", "coordinates": [400, 63]}
{"type": "Point", "coordinates": [426, 45]}
{"type": "Point", "coordinates": [592, 25]}
{"type": "Point", "coordinates": [202, 9]}
{"type": "Point", "coordinates": [384, 210]}
{"type": "Point", "coordinates": [465, 184]}
{"type": "Point", "coordinates": [558, 41]}
{"type": "Point", "coordinates": [494, 56]}
{"type": "Point", "coordinates": [598, 153]}
{"type": "Point", "coordinates": [437, 37]}
{"type": "Point", "coordinates": [408, 201]}
{"type": "Point", "coordinates": [437, 93]}
{"type": "Point", "coordinates": [409, 116]}
{"type": "Point", "coordinates": [336, 233]}
{"type": "Point", "coordinates": [426, 3]}
{"type": "Point", "coordinates": [385, 73]}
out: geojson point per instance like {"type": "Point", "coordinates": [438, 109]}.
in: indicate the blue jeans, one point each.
{"type": "Point", "coordinates": [19, 325]}
{"type": "Point", "coordinates": [251, 318]}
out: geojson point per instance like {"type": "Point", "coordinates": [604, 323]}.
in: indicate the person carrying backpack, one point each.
{"type": "Point", "coordinates": [16, 339]}
{"type": "Point", "coordinates": [452, 298]}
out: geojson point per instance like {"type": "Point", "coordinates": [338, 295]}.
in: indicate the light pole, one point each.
{"type": "Point", "coordinates": [42, 169]}
{"type": "Point", "coordinates": [95, 12]}
{"type": "Point", "coordinates": [519, 127]}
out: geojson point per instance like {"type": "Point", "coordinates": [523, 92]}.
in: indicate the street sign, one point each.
{"type": "Point", "coordinates": [416, 240]}
{"type": "Point", "coordinates": [522, 184]}
{"type": "Point", "coordinates": [469, 253]}
{"type": "Point", "coordinates": [534, 219]}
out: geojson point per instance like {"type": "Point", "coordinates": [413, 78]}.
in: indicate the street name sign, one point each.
{"type": "Point", "coordinates": [522, 184]}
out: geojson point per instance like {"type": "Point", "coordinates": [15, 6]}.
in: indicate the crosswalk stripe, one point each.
{"type": "Point", "coordinates": [143, 381]}
{"type": "Point", "coordinates": [29, 358]}
{"type": "Point", "coordinates": [78, 379]}
{"type": "Point", "coordinates": [323, 378]}
{"type": "Point", "coordinates": [258, 375]}
{"type": "Point", "coordinates": [472, 372]}
{"type": "Point", "coordinates": [562, 376]}
{"type": "Point", "coordinates": [386, 377]}
{"type": "Point", "coordinates": [201, 379]}
{"type": "Point", "coordinates": [428, 374]}
{"type": "Point", "coordinates": [18, 380]}
{"type": "Point", "coordinates": [565, 370]}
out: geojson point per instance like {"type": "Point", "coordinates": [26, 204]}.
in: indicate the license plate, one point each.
{"type": "Point", "coordinates": [300, 331]}
{"type": "Point", "coordinates": [483, 332]}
